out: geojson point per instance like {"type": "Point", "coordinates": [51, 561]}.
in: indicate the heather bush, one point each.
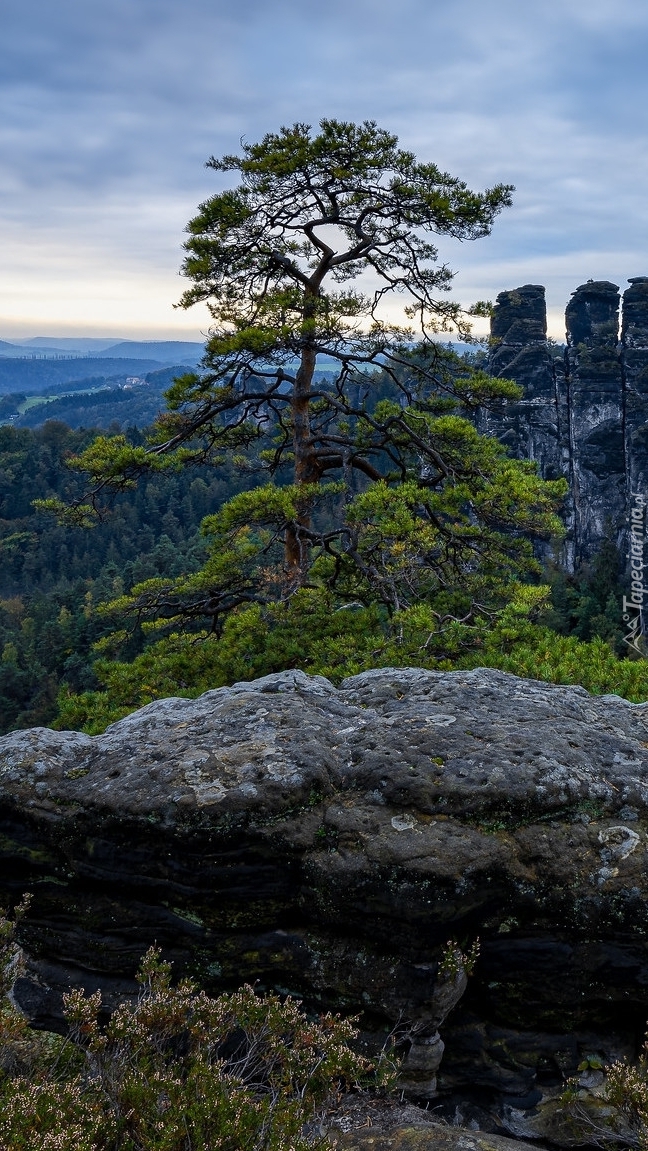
{"type": "Point", "coordinates": [614, 1112]}
{"type": "Point", "coordinates": [176, 1071]}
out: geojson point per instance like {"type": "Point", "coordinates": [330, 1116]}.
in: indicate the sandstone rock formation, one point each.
{"type": "Point", "coordinates": [329, 842]}
{"type": "Point", "coordinates": [584, 415]}
{"type": "Point", "coordinates": [529, 427]}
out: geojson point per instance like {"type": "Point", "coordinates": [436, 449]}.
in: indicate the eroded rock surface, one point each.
{"type": "Point", "coordinates": [329, 842]}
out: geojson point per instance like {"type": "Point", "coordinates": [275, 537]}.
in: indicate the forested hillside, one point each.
{"type": "Point", "coordinates": [32, 375]}
{"type": "Point", "coordinates": [51, 577]}
{"type": "Point", "coordinates": [114, 402]}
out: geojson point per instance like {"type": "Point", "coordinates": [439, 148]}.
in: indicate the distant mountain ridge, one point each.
{"type": "Point", "coordinates": [167, 351]}
{"type": "Point", "coordinates": [162, 351]}
{"type": "Point", "coordinates": [83, 344]}
{"type": "Point", "coordinates": [7, 349]}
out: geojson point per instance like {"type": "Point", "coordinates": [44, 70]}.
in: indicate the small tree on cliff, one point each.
{"type": "Point", "coordinates": [378, 489]}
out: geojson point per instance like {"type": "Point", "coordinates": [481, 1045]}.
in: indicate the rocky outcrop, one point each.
{"type": "Point", "coordinates": [375, 1125]}
{"type": "Point", "coordinates": [329, 842]}
{"type": "Point", "coordinates": [422, 1136]}
{"type": "Point", "coordinates": [584, 415]}
{"type": "Point", "coordinates": [596, 415]}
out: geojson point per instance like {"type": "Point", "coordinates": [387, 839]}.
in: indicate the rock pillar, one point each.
{"type": "Point", "coordinates": [634, 345]}
{"type": "Point", "coordinates": [534, 428]}
{"type": "Point", "coordinates": [520, 352]}
{"type": "Point", "coordinates": [596, 416]}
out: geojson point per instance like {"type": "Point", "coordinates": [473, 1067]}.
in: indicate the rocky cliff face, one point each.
{"type": "Point", "coordinates": [584, 416]}
{"type": "Point", "coordinates": [634, 341]}
{"type": "Point", "coordinates": [329, 842]}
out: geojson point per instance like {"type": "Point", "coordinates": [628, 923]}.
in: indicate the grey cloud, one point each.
{"type": "Point", "coordinates": [111, 109]}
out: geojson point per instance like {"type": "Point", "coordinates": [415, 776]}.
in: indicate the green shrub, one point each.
{"type": "Point", "coordinates": [323, 637]}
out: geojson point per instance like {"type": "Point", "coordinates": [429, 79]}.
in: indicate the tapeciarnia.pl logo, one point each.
{"type": "Point", "coordinates": [633, 606]}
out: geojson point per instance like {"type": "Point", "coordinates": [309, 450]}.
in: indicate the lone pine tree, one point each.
{"type": "Point", "coordinates": [371, 483]}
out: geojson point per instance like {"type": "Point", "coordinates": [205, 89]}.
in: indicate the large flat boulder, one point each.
{"type": "Point", "coordinates": [328, 842]}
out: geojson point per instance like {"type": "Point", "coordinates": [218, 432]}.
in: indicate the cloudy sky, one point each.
{"type": "Point", "coordinates": [110, 109]}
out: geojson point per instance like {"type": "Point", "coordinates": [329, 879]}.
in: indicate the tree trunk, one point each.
{"type": "Point", "coordinates": [305, 467]}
